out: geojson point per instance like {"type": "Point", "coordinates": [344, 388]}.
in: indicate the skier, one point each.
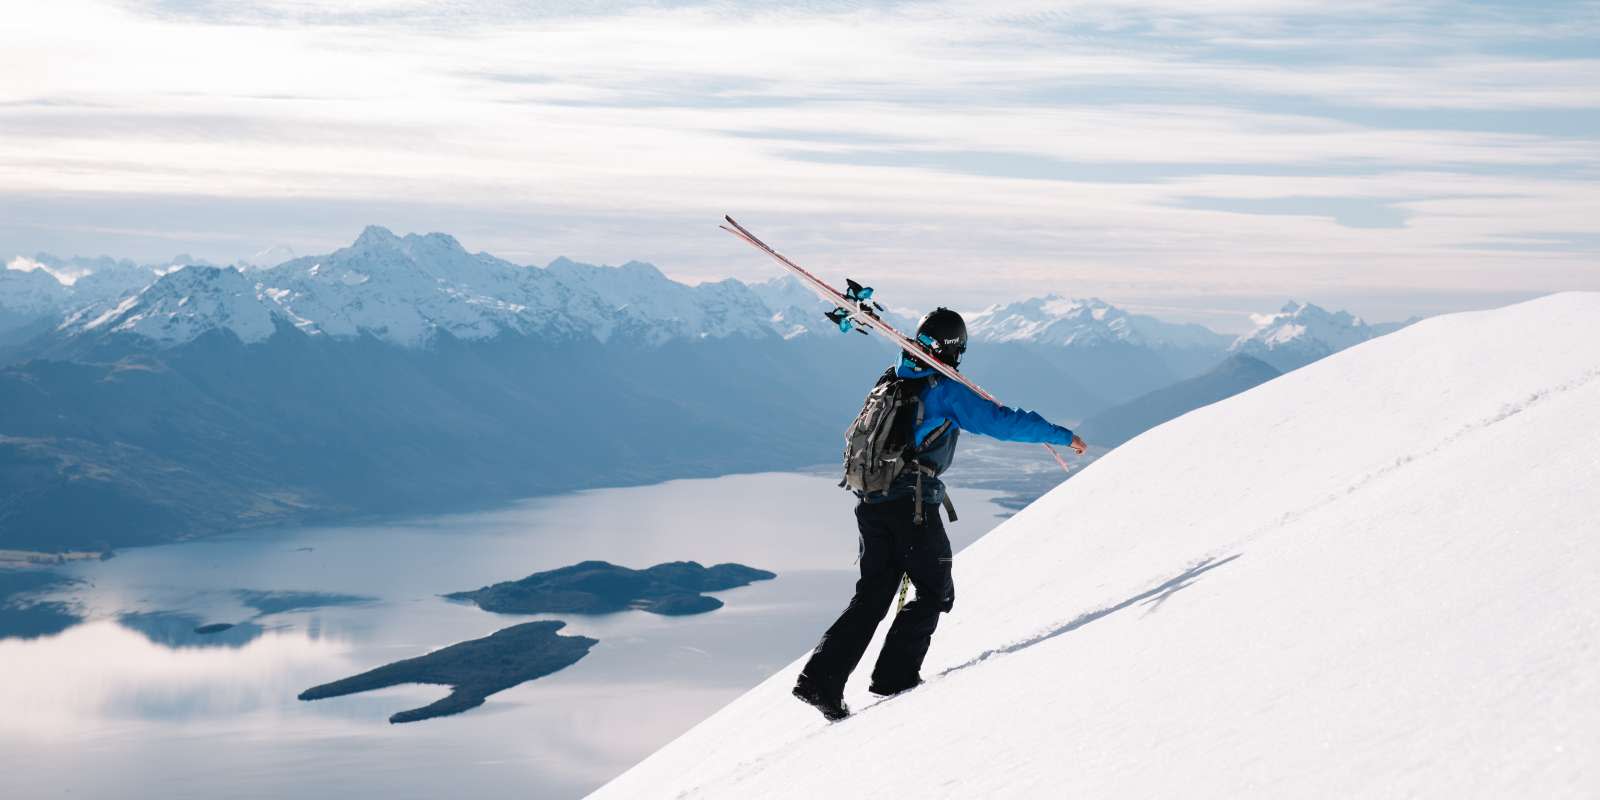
{"type": "Point", "coordinates": [901, 533]}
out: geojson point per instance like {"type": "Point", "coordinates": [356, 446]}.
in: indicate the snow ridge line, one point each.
{"type": "Point", "coordinates": [1156, 595]}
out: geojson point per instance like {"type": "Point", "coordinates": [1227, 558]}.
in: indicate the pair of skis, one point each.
{"type": "Point", "coordinates": [855, 308]}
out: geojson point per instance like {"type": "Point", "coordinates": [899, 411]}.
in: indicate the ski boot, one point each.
{"type": "Point", "coordinates": [832, 710]}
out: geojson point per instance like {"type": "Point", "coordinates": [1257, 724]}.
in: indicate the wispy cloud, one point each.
{"type": "Point", "coordinates": [1147, 151]}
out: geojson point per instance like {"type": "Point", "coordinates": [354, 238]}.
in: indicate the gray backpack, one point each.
{"type": "Point", "coordinates": [877, 445]}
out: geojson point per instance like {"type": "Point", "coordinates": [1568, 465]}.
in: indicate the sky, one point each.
{"type": "Point", "coordinates": [1199, 161]}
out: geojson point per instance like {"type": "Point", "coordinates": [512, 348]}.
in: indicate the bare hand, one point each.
{"type": "Point", "coordinates": [1078, 445]}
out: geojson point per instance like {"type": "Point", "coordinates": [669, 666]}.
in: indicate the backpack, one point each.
{"type": "Point", "coordinates": [877, 445]}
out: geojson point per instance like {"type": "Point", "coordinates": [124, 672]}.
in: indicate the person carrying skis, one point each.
{"type": "Point", "coordinates": [901, 533]}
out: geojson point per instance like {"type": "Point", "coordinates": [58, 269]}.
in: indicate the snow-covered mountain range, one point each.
{"type": "Point", "coordinates": [407, 290]}
{"type": "Point", "coordinates": [1253, 601]}
{"type": "Point", "coordinates": [1063, 322]}
{"type": "Point", "coordinates": [403, 372]}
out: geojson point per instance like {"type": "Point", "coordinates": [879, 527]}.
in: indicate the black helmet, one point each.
{"type": "Point", "coordinates": [943, 333]}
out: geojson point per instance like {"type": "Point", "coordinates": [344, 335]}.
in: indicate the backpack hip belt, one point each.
{"type": "Point", "coordinates": [917, 517]}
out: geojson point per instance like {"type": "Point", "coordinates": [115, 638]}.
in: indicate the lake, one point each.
{"type": "Point", "coordinates": [132, 703]}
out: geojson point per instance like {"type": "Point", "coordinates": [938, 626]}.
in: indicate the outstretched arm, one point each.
{"type": "Point", "coordinates": [973, 413]}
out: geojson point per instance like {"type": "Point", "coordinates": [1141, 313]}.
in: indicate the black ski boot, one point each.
{"type": "Point", "coordinates": [891, 691]}
{"type": "Point", "coordinates": [832, 709]}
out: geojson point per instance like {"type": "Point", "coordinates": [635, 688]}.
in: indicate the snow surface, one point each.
{"type": "Point", "coordinates": [1374, 576]}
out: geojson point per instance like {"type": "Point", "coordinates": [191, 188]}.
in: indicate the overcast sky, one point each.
{"type": "Point", "coordinates": [1392, 158]}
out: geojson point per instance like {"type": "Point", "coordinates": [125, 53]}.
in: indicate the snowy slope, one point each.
{"type": "Point", "coordinates": [1374, 576]}
{"type": "Point", "coordinates": [183, 305]}
{"type": "Point", "coordinates": [1301, 333]}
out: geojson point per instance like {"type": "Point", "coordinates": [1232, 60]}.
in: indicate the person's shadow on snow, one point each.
{"type": "Point", "coordinates": [1154, 598]}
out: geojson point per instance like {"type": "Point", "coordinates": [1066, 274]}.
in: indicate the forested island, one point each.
{"type": "Point", "coordinates": [478, 668]}
{"type": "Point", "coordinates": [600, 587]}
{"type": "Point", "coordinates": [473, 669]}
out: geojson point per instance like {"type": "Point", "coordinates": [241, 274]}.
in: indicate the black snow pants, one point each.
{"type": "Point", "coordinates": [891, 545]}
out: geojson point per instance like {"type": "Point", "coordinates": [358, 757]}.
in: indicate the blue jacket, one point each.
{"type": "Point", "coordinates": [949, 408]}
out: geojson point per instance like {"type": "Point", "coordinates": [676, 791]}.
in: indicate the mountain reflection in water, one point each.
{"type": "Point", "coordinates": [134, 702]}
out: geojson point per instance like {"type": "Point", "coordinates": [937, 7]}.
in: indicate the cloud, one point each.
{"type": "Point", "coordinates": [1351, 212]}
{"type": "Point", "coordinates": [65, 274]}
{"type": "Point", "coordinates": [958, 146]}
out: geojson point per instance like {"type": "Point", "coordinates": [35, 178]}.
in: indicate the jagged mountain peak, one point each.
{"type": "Point", "coordinates": [640, 269]}
{"type": "Point", "coordinates": [643, 268]}
{"type": "Point", "coordinates": [1299, 310]}
{"type": "Point", "coordinates": [379, 242]}
{"type": "Point", "coordinates": [268, 257]}
{"type": "Point", "coordinates": [1084, 322]}
{"type": "Point", "coordinates": [1301, 333]}
{"type": "Point", "coordinates": [375, 236]}
{"type": "Point", "coordinates": [180, 305]}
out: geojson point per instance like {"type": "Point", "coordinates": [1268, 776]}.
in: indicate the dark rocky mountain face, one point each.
{"type": "Point", "coordinates": [137, 446]}
{"type": "Point", "coordinates": [106, 441]}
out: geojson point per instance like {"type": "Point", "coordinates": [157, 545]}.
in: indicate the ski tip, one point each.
{"type": "Point", "coordinates": [729, 219]}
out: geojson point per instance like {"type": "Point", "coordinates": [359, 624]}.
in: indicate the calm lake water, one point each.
{"type": "Point", "coordinates": [130, 703]}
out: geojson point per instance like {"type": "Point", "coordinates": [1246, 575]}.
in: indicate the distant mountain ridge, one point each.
{"type": "Point", "coordinates": [1065, 322]}
{"type": "Point", "coordinates": [405, 289]}
{"type": "Point", "coordinates": [408, 290]}
{"type": "Point", "coordinates": [1301, 333]}
{"type": "Point", "coordinates": [403, 374]}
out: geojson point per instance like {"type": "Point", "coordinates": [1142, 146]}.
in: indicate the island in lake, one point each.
{"type": "Point", "coordinates": [600, 587]}
{"type": "Point", "coordinates": [473, 669]}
